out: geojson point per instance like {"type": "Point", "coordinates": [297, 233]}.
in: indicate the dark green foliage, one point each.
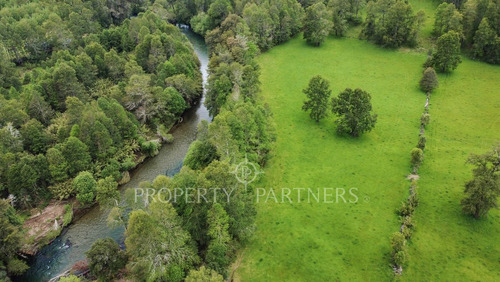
{"type": "Point", "coordinates": [27, 177]}
{"type": "Point", "coordinates": [76, 154]}
{"type": "Point", "coordinates": [105, 259]}
{"type": "Point", "coordinates": [58, 166]}
{"type": "Point", "coordinates": [318, 92]}
{"type": "Point", "coordinates": [354, 111]}
{"type": "Point", "coordinates": [447, 18]}
{"type": "Point", "coordinates": [107, 192]}
{"type": "Point", "coordinates": [317, 24]}
{"type": "Point", "coordinates": [486, 43]}
{"type": "Point", "coordinates": [429, 80]}
{"type": "Point", "coordinates": [482, 192]}
{"type": "Point", "coordinates": [218, 248]}
{"type": "Point", "coordinates": [218, 11]}
{"type": "Point", "coordinates": [85, 186]}
{"type": "Point", "coordinates": [35, 139]}
{"type": "Point", "coordinates": [200, 154]}
{"type": "Point", "coordinates": [421, 142]}
{"type": "Point", "coordinates": [10, 239]}
{"type": "Point", "coordinates": [447, 56]}
{"type": "Point", "coordinates": [399, 253]}
{"type": "Point", "coordinates": [391, 23]}
{"type": "Point", "coordinates": [146, 234]}
{"type": "Point", "coordinates": [205, 275]}
{"type": "Point", "coordinates": [417, 156]}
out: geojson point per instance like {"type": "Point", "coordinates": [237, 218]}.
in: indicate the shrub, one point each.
{"type": "Point", "coordinates": [429, 80]}
{"type": "Point", "coordinates": [406, 209]}
{"type": "Point", "coordinates": [86, 186]}
{"type": "Point", "coordinates": [16, 266]}
{"type": "Point", "coordinates": [399, 252]}
{"type": "Point", "coordinates": [62, 190]}
{"type": "Point", "coordinates": [421, 142]}
{"type": "Point", "coordinates": [106, 259]}
{"type": "Point", "coordinates": [408, 227]}
{"type": "Point", "coordinates": [425, 119]}
{"type": "Point", "coordinates": [417, 156]}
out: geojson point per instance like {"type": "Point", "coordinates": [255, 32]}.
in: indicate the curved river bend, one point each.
{"type": "Point", "coordinates": [71, 245]}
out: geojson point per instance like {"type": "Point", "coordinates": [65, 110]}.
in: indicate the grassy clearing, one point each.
{"type": "Point", "coordinates": [322, 241]}
{"type": "Point", "coordinates": [464, 119]}
{"type": "Point", "coordinates": [314, 242]}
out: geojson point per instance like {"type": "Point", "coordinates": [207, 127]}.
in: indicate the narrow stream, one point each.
{"type": "Point", "coordinates": [71, 245]}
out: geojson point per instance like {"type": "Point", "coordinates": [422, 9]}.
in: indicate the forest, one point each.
{"type": "Point", "coordinates": [92, 90]}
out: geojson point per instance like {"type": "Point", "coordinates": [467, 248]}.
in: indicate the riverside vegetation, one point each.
{"type": "Point", "coordinates": [90, 89]}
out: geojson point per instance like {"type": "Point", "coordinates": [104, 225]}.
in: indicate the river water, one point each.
{"type": "Point", "coordinates": [71, 245]}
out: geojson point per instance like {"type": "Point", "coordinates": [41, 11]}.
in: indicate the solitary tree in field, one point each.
{"type": "Point", "coordinates": [354, 109]}
{"type": "Point", "coordinates": [429, 80]}
{"type": "Point", "coordinates": [447, 56]}
{"type": "Point", "coordinates": [318, 92]}
{"type": "Point", "coordinates": [317, 24]}
{"type": "Point", "coordinates": [481, 193]}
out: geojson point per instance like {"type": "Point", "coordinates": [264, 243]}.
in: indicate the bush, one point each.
{"type": "Point", "coordinates": [399, 252]}
{"type": "Point", "coordinates": [409, 226]}
{"type": "Point", "coordinates": [417, 156]}
{"type": "Point", "coordinates": [86, 186]}
{"type": "Point", "coordinates": [421, 142]}
{"type": "Point", "coordinates": [63, 190]}
{"type": "Point", "coordinates": [425, 119]}
{"type": "Point", "coordinates": [16, 266]}
{"type": "Point", "coordinates": [429, 80]}
{"type": "Point", "coordinates": [406, 209]}
{"type": "Point", "coordinates": [106, 259]}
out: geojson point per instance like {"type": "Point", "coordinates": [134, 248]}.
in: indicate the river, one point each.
{"type": "Point", "coordinates": [71, 245]}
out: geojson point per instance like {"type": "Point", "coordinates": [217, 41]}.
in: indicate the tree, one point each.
{"type": "Point", "coordinates": [260, 23]}
{"type": "Point", "coordinates": [200, 154]}
{"type": "Point", "coordinates": [107, 192]}
{"type": "Point", "coordinates": [35, 139]}
{"type": "Point", "coordinates": [429, 80]}
{"type": "Point", "coordinates": [447, 18]}
{"type": "Point", "coordinates": [204, 274]}
{"type": "Point", "coordinates": [486, 43]}
{"type": "Point", "coordinates": [317, 24]}
{"type": "Point", "coordinates": [353, 107]}
{"type": "Point", "coordinates": [318, 92]}
{"type": "Point", "coordinates": [105, 259]}
{"type": "Point", "coordinates": [482, 192]}
{"type": "Point", "coordinates": [391, 23]}
{"type": "Point", "coordinates": [157, 244]}
{"type": "Point", "coordinates": [447, 56]}
{"type": "Point", "coordinates": [77, 155]}
{"type": "Point", "coordinates": [85, 186]}
{"type": "Point", "coordinates": [218, 248]}
{"type": "Point", "coordinates": [58, 166]}
{"type": "Point", "coordinates": [218, 11]}
{"type": "Point", "coordinates": [10, 236]}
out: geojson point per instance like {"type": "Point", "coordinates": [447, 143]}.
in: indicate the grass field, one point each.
{"type": "Point", "coordinates": [465, 118]}
{"type": "Point", "coordinates": [342, 241]}
{"type": "Point", "coordinates": [321, 241]}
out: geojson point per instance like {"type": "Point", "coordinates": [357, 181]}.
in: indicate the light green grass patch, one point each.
{"type": "Point", "coordinates": [320, 241]}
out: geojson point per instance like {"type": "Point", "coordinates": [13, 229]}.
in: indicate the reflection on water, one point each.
{"type": "Point", "coordinates": [71, 246]}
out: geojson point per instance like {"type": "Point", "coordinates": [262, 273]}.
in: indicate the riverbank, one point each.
{"type": "Point", "coordinates": [74, 241]}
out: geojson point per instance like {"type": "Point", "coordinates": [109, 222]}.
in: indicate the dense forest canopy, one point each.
{"type": "Point", "coordinates": [89, 89]}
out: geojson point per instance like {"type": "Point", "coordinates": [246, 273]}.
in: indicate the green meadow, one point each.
{"type": "Point", "coordinates": [318, 241]}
